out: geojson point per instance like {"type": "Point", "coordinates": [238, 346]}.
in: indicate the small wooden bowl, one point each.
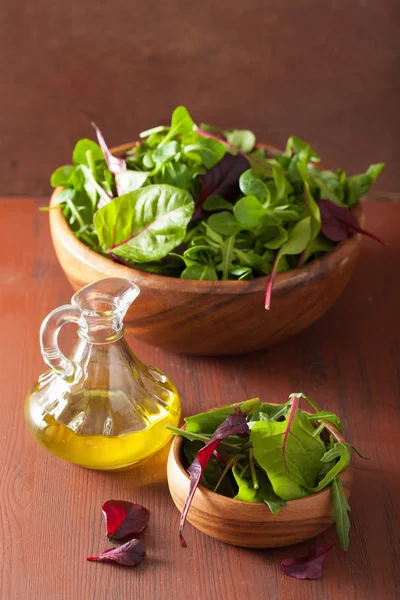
{"type": "Point", "coordinates": [252, 525]}
{"type": "Point", "coordinates": [213, 317]}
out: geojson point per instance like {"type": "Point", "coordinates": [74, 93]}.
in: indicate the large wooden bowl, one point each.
{"type": "Point", "coordinates": [213, 317]}
{"type": "Point", "coordinates": [252, 525]}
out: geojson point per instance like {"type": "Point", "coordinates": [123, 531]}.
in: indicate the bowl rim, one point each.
{"type": "Point", "coordinates": [175, 452]}
{"type": "Point", "coordinates": [283, 281]}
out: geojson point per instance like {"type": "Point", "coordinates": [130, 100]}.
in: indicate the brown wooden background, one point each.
{"type": "Point", "coordinates": [327, 71]}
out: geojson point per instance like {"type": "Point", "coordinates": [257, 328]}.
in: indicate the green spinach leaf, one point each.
{"type": "Point", "coordinates": [246, 492]}
{"type": "Point", "coordinates": [129, 181]}
{"type": "Point", "coordinates": [79, 155]}
{"type": "Point", "coordinates": [62, 176]}
{"type": "Point", "coordinates": [289, 453]}
{"type": "Point", "coordinates": [146, 224]}
{"type": "Point", "coordinates": [267, 494]}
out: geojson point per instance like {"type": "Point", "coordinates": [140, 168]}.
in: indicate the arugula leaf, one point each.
{"type": "Point", "coordinates": [330, 417]}
{"type": "Point", "coordinates": [341, 510]}
{"type": "Point", "coordinates": [358, 185]}
{"type": "Point", "coordinates": [341, 451]}
{"type": "Point", "coordinates": [145, 224]}
{"type": "Point", "coordinates": [288, 453]}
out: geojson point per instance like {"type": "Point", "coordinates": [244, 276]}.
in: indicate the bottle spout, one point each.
{"type": "Point", "coordinates": [104, 303]}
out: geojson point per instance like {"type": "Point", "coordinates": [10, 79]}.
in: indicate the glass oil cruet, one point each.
{"type": "Point", "coordinates": [102, 408]}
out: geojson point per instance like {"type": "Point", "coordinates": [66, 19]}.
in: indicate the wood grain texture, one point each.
{"type": "Point", "coordinates": [253, 525]}
{"type": "Point", "coordinates": [214, 318]}
{"type": "Point", "coordinates": [324, 71]}
{"type": "Point", "coordinates": [50, 511]}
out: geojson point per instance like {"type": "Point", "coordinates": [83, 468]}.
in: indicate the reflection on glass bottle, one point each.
{"type": "Point", "coordinates": [102, 408]}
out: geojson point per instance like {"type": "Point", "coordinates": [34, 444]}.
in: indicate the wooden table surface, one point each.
{"type": "Point", "coordinates": [50, 511]}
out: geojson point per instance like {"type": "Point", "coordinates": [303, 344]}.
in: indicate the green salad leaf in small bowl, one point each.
{"type": "Point", "coordinates": [201, 202]}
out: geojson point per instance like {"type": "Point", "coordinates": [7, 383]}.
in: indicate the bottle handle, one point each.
{"type": "Point", "coordinates": [52, 355]}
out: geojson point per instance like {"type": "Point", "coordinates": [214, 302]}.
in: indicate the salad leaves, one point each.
{"type": "Point", "coordinates": [266, 453]}
{"type": "Point", "coordinates": [232, 210]}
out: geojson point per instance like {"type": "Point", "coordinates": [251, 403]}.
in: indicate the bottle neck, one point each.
{"type": "Point", "coordinates": [101, 330]}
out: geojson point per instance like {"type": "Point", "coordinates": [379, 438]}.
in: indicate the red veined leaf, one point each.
{"type": "Point", "coordinates": [235, 424]}
{"type": "Point", "coordinates": [124, 518]}
{"type": "Point", "coordinates": [115, 164]}
{"type": "Point", "coordinates": [218, 455]}
{"type": "Point", "coordinates": [307, 567]}
{"type": "Point", "coordinates": [130, 554]}
{"type": "Point", "coordinates": [234, 148]}
{"type": "Point", "coordinates": [221, 180]}
{"type": "Point", "coordinates": [338, 223]}
{"type": "Point", "coordinates": [271, 281]}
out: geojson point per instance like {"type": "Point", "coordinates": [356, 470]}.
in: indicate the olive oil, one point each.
{"type": "Point", "coordinates": [106, 452]}
{"type": "Point", "coordinates": [102, 408]}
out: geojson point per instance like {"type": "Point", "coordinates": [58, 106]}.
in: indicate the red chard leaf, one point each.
{"type": "Point", "coordinates": [338, 223]}
{"type": "Point", "coordinates": [222, 180]}
{"type": "Point", "coordinates": [235, 424]}
{"type": "Point", "coordinates": [130, 554]}
{"type": "Point", "coordinates": [114, 164]}
{"type": "Point", "coordinates": [218, 455]}
{"type": "Point", "coordinates": [307, 567]}
{"type": "Point", "coordinates": [271, 281]}
{"type": "Point", "coordinates": [124, 519]}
